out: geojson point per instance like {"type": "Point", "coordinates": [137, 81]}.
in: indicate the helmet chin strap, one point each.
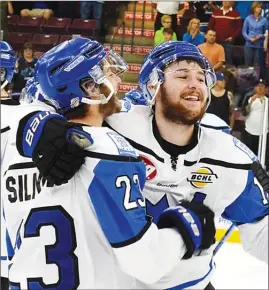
{"type": "Point", "coordinates": [103, 98]}
{"type": "Point", "coordinates": [4, 84]}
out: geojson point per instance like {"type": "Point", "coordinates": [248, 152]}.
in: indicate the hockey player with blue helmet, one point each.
{"type": "Point", "coordinates": [186, 161]}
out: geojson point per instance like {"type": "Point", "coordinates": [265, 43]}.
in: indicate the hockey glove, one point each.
{"type": "Point", "coordinates": [194, 222]}
{"type": "Point", "coordinates": [46, 138]}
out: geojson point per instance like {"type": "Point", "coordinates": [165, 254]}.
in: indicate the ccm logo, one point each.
{"type": "Point", "coordinates": [33, 127]}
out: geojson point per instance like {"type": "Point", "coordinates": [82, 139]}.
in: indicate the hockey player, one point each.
{"type": "Point", "coordinates": [186, 161]}
{"type": "Point", "coordinates": [92, 232]}
{"type": "Point", "coordinates": [8, 106]}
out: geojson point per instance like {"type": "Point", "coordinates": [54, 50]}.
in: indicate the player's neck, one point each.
{"type": "Point", "coordinates": [177, 134]}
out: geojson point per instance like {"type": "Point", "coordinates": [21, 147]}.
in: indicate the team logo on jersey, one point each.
{"type": "Point", "coordinates": [125, 106]}
{"type": "Point", "coordinates": [151, 171]}
{"type": "Point", "coordinates": [202, 177]}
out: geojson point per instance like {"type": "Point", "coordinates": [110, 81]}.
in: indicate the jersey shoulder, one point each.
{"type": "Point", "coordinates": [226, 148]}
{"type": "Point", "coordinates": [106, 142]}
{"type": "Point", "coordinates": [212, 121]}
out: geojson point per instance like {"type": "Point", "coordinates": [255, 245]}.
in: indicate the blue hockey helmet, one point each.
{"type": "Point", "coordinates": [8, 61]}
{"type": "Point", "coordinates": [64, 72]}
{"type": "Point", "coordinates": [161, 56]}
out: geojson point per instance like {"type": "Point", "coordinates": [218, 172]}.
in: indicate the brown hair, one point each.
{"type": "Point", "coordinates": [254, 6]}
{"type": "Point", "coordinates": [168, 31]}
{"type": "Point", "coordinates": [27, 45]}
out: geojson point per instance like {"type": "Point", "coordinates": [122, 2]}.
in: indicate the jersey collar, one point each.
{"type": "Point", "coordinates": [170, 148]}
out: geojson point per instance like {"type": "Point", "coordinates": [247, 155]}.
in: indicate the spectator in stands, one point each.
{"type": "Point", "coordinates": [193, 34]}
{"type": "Point", "coordinates": [168, 8]}
{"type": "Point", "coordinates": [95, 6]}
{"type": "Point", "coordinates": [213, 52]}
{"type": "Point", "coordinates": [24, 67]}
{"type": "Point", "coordinates": [254, 29]}
{"type": "Point", "coordinates": [204, 11]}
{"type": "Point", "coordinates": [227, 24]}
{"type": "Point", "coordinates": [39, 9]}
{"type": "Point", "coordinates": [254, 120]}
{"type": "Point", "coordinates": [168, 34]}
{"type": "Point", "coordinates": [265, 10]}
{"type": "Point", "coordinates": [166, 23]}
{"type": "Point", "coordinates": [222, 100]}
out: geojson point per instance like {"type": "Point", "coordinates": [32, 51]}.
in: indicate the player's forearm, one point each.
{"type": "Point", "coordinates": [255, 239]}
{"type": "Point", "coordinates": [153, 256]}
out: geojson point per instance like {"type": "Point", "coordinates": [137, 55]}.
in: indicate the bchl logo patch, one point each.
{"type": "Point", "coordinates": [151, 171]}
{"type": "Point", "coordinates": [202, 177]}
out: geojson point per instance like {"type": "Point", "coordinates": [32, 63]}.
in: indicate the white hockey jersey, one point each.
{"type": "Point", "coordinates": [92, 233]}
{"type": "Point", "coordinates": [8, 109]}
{"type": "Point", "coordinates": [217, 171]}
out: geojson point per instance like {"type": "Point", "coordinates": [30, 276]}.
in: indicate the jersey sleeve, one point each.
{"type": "Point", "coordinates": [250, 213]}
{"type": "Point", "coordinates": [251, 205]}
{"type": "Point", "coordinates": [115, 193]}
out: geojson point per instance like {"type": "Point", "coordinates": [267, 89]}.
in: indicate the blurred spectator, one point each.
{"type": "Point", "coordinates": [168, 34]}
{"type": "Point", "coordinates": [96, 7]}
{"type": "Point", "coordinates": [227, 24]}
{"type": "Point", "coordinates": [265, 10]}
{"type": "Point", "coordinates": [24, 67]}
{"type": "Point", "coordinates": [254, 30]}
{"type": "Point", "coordinates": [166, 23]}
{"type": "Point", "coordinates": [193, 34]}
{"type": "Point", "coordinates": [189, 13]}
{"type": "Point", "coordinates": [38, 9]}
{"type": "Point", "coordinates": [246, 79]}
{"type": "Point", "coordinates": [254, 120]}
{"type": "Point", "coordinates": [204, 11]}
{"type": "Point", "coordinates": [222, 100]}
{"type": "Point", "coordinates": [168, 8]}
{"type": "Point", "coordinates": [213, 52]}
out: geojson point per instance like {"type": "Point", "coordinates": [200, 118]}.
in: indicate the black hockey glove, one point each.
{"type": "Point", "coordinates": [194, 222]}
{"type": "Point", "coordinates": [46, 138]}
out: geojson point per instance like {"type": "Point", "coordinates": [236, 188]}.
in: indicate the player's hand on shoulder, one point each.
{"type": "Point", "coordinates": [55, 145]}
{"type": "Point", "coordinates": [194, 222]}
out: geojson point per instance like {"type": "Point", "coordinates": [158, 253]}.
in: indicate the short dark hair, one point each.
{"type": "Point", "coordinates": [27, 45]}
{"type": "Point", "coordinates": [78, 112]}
{"type": "Point", "coordinates": [168, 31]}
{"type": "Point", "coordinates": [210, 30]}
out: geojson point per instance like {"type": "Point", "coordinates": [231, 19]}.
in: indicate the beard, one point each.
{"type": "Point", "coordinates": [178, 113]}
{"type": "Point", "coordinates": [113, 106]}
